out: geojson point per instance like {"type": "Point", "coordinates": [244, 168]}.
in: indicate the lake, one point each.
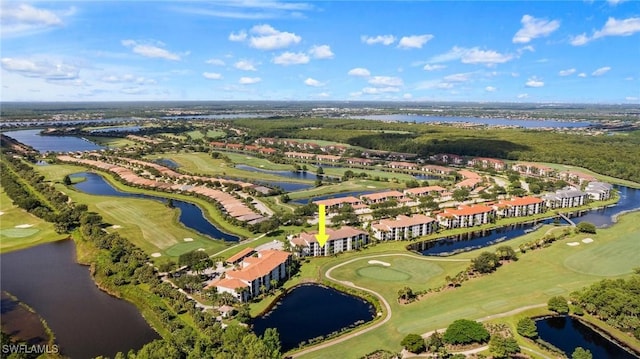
{"type": "Point", "coordinates": [309, 311]}
{"type": "Point", "coordinates": [601, 217]}
{"type": "Point", "coordinates": [478, 120]}
{"type": "Point", "coordinates": [333, 195]}
{"type": "Point", "coordinates": [52, 143]}
{"type": "Point", "coordinates": [288, 174]}
{"type": "Point", "coordinates": [567, 333]}
{"type": "Point", "coordinates": [190, 214]}
{"type": "Point", "coordinates": [87, 322]}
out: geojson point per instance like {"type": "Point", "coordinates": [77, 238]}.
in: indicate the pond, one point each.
{"type": "Point", "coordinates": [288, 174]}
{"type": "Point", "coordinates": [86, 321]}
{"type": "Point", "coordinates": [190, 214]}
{"type": "Point", "coordinates": [286, 186]}
{"type": "Point", "coordinates": [478, 120]}
{"type": "Point", "coordinates": [601, 217]}
{"type": "Point", "coordinates": [567, 333]}
{"type": "Point", "coordinates": [478, 239]}
{"type": "Point", "coordinates": [167, 162]}
{"type": "Point", "coordinates": [52, 143]}
{"type": "Point", "coordinates": [310, 311]}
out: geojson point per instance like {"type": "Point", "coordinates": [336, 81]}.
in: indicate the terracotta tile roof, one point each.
{"type": "Point", "coordinates": [328, 157]}
{"type": "Point", "coordinates": [404, 221]}
{"type": "Point", "coordinates": [467, 210]}
{"type": "Point", "coordinates": [334, 201]}
{"type": "Point", "coordinates": [422, 190]}
{"type": "Point", "coordinates": [231, 283]}
{"type": "Point", "coordinates": [382, 195]}
{"type": "Point", "coordinates": [267, 261]}
{"type": "Point", "coordinates": [468, 174]}
{"type": "Point", "coordinates": [243, 253]}
{"type": "Point", "coordinates": [521, 201]}
{"type": "Point", "coordinates": [342, 232]}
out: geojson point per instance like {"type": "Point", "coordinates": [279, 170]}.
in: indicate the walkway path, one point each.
{"type": "Point", "coordinates": [235, 245]}
{"type": "Point", "coordinates": [567, 219]}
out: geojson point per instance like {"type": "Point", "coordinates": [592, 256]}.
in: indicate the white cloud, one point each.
{"type": "Point", "coordinates": [534, 82]}
{"type": "Point", "coordinates": [579, 40]}
{"type": "Point", "coordinates": [414, 41]}
{"type": "Point", "coordinates": [267, 38]}
{"type": "Point", "coordinates": [632, 98]}
{"type": "Point", "coordinates": [321, 52]}
{"type": "Point", "coordinates": [152, 51]}
{"type": "Point", "coordinates": [472, 56]}
{"type": "Point", "coordinates": [601, 71]}
{"type": "Point", "coordinates": [313, 82]}
{"type": "Point", "coordinates": [433, 84]}
{"type": "Point", "coordinates": [128, 78]}
{"type": "Point", "coordinates": [245, 65]}
{"type": "Point", "coordinates": [46, 69]}
{"type": "Point", "coordinates": [461, 77]}
{"type": "Point", "coordinates": [323, 95]}
{"type": "Point", "coordinates": [489, 57]}
{"type": "Point", "coordinates": [490, 89]}
{"type": "Point", "coordinates": [612, 27]}
{"type": "Point", "coordinates": [407, 96]}
{"type": "Point", "coordinates": [533, 28]}
{"type": "Point", "coordinates": [430, 67]}
{"type": "Point", "coordinates": [523, 95]}
{"type": "Point", "coordinates": [24, 19]}
{"type": "Point", "coordinates": [582, 74]}
{"type": "Point", "coordinates": [359, 72]}
{"type": "Point", "coordinates": [614, 2]}
{"type": "Point", "coordinates": [212, 75]}
{"type": "Point", "coordinates": [567, 72]}
{"type": "Point", "coordinates": [380, 39]}
{"type": "Point", "coordinates": [386, 81]}
{"type": "Point", "coordinates": [291, 58]}
{"type": "Point", "coordinates": [238, 37]}
{"type": "Point", "coordinates": [379, 90]}
{"type": "Point", "coordinates": [249, 80]}
{"type": "Point", "coordinates": [215, 62]}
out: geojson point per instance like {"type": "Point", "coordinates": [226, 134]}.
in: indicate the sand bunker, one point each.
{"type": "Point", "coordinates": [188, 239]}
{"type": "Point", "coordinates": [573, 244]}
{"type": "Point", "coordinates": [373, 261]}
{"type": "Point", "coordinates": [371, 186]}
{"type": "Point", "coordinates": [156, 255]}
{"type": "Point", "coordinates": [24, 226]}
{"type": "Point", "coordinates": [1, 213]}
{"type": "Point", "coordinates": [116, 226]}
{"type": "Point", "coordinates": [587, 240]}
{"type": "Point", "coordinates": [200, 249]}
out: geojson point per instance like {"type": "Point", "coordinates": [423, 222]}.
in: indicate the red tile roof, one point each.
{"type": "Point", "coordinates": [243, 253]}
{"type": "Point", "coordinates": [267, 261]}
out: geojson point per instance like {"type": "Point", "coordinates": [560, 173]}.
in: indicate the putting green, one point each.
{"type": "Point", "coordinates": [607, 259]}
{"type": "Point", "coordinates": [18, 232]}
{"type": "Point", "coordinates": [185, 247]}
{"type": "Point", "coordinates": [383, 273]}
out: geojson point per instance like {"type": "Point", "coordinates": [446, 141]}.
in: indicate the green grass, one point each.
{"type": "Point", "coordinates": [195, 135]}
{"type": "Point", "coordinates": [351, 185]}
{"type": "Point", "coordinates": [531, 280]}
{"type": "Point", "coordinates": [113, 142]}
{"type": "Point", "coordinates": [216, 134]}
{"type": "Point", "coordinates": [12, 238]}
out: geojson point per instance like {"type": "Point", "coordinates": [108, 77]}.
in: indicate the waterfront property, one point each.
{"type": "Point", "coordinates": [519, 207]}
{"type": "Point", "coordinates": [466, 216]}
{"type": "Point", "coordinates": [566, 197]}
{"type": "Point", "coordinates": [486, 163]}
{"type": "Point", "coordinates": [382, 196]}
{"type": "Point", "coordinates": [336, 203]}
{"type": "Point", "coordinates": [404, 227]}
{"type": "Point", "coordinates": [435, 191]}
{"type": "Point", "coordinates": [599, 191]}
{"type": "Point", "coordinates": [343, 239]}
{"type": "Point", "coordinates": [254, 274]}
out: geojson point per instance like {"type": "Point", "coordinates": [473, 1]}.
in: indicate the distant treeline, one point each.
{"type": "Point", "coordinates": [617, 155]}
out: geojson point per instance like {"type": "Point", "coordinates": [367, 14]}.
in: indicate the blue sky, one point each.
{"type": "Point", "coordinates": [512, 51]}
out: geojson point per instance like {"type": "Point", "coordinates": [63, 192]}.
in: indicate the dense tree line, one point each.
{"type": "Point", "coordinates": [617, 302]}
{"type": "Point", "coordinates": [617, 156]}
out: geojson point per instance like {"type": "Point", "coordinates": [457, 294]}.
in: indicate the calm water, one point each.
{"type": "Point", "coordinates": [217, 117]}
{"type": "Point", "coordinates": [310, 311]}
{"type": "Point", "coordinates": [167, 162]}
{"type": "Point", "coordinates": [86, 321]}
{"type": "Point", "coordinates": [629, 200]}
{"type": "Point", "coordinates": [288, 174]}
{"type": "Point", "coordinates": [476, 239]}
{"type": "Point", "coordinates": [52, 143]}
{"type": "Point", "coordinates": [568, 333]}
{"type": "Point", "coordinates": [478, 120]}
{"type": "Point", "coordinates": [190, 214]}
{"type": "Point", "coordinates": [117, 129]}
{"type": "Point", "coordinates": [286, 186]}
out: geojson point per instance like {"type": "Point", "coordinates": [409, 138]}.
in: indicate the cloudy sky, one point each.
{"type": "Point", "coordinates": [539, 51]}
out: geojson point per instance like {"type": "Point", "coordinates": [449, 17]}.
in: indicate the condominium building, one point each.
{"type": "Point", "coordinates": [344, 239]}
{"type": "Point", "coordinates": [404, 227]}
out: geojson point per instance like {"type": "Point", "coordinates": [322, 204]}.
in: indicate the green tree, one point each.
{"type": "Point", "coordinates": [271, 340]}
{"type": "Point", "coordinates": [558, 304]}
{"type": "Point", "coordinates": [501, 347]}
{"type": "Point", "coordinates": [527, 328]}
{"type": "Point", "coordinates": [506, 253]}
{"type": "Point", "coordinates": [435, 342]}
{"type": "Point", "coordinates": [581, 353]}
{"type": "Point", "coordinates": [413, 343]}
{"type": "Point", "coordinates": [586, 227]}
{"type": "Point", "coordinates": [460, 194]}
{"type": "Point", "coordinates": [486, 262]}
{"type": "Point", "coordinates": [66, 180]}
{"type": "Point", "coordinates": [464, 331]}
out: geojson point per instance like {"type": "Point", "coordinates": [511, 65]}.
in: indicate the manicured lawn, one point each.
{"type": "Point", "coordinates": [195, 135]}
{"type": "Point", "coordinates": [216, 134]}
{"type": "Point", "coordinates": [113, 142]}
{"type": "Point", "coordinates": [351, 185]}
{"type": "Point", "coordinates": [536, 276]}
{"type": "Point", "coordinates": [20, 229]}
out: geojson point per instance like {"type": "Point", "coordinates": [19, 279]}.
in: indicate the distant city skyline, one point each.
{"type": "Point", "coordinates": [542, 51]}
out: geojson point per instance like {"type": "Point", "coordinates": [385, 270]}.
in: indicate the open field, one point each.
{"type": "Point", "coordinates": [538, 275]}
{"type": "Point", "coordinates": [113, 142]}
{"type": "Point", "coordinates": [20, 229]}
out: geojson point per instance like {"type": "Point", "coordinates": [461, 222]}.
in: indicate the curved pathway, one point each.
{"type": "Point", "coordinates": [378, 295]}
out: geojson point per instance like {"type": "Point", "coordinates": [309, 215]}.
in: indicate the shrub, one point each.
{"type": "Point", "coordinates": [527, 328]}
{"type": "Point", "coordinates": [558, 304]}
{"type": "Point", "coordinates": [413, 343]}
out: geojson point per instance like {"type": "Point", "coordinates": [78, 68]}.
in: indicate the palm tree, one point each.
{"type": "Point", "coordinates": [272, 284]}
